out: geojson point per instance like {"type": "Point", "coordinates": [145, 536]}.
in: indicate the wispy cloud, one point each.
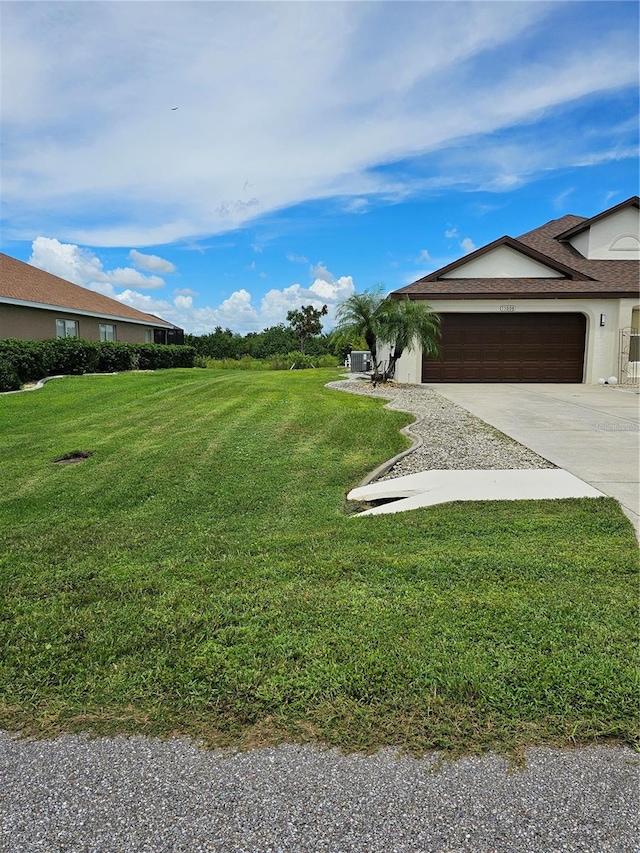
{"type": "Point", "coordinates": [151, 263]}
{"type": "Point", "coordinates": [312, 122]}
{"type": "Point", "coordinates": [559, 200]}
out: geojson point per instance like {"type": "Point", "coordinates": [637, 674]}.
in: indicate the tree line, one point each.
{"type": "Point", "coordinates": [365, 321]}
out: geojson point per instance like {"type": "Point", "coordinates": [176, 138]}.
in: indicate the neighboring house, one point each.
{"type": "Point", "coordinates": [557, 304]}
{"type": "Point", "coordinates": [36, 306]}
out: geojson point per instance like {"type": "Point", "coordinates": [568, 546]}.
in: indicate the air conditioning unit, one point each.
{"type": "Point", "coordinates": [360, 361]}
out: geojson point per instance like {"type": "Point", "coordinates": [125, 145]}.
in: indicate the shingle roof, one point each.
{"type": "Point", "coordinates": [25, 283]}
{"type": "Point", "coordinates": [583, 277]}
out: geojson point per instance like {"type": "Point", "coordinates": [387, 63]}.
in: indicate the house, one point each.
{"type": "Point", "coordinates": [35, 305]}
{"type": "Point", "coordinates": [557, 304]}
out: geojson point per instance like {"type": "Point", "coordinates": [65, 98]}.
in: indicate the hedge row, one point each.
{"type": "Point", "coordinates": [28, 361]}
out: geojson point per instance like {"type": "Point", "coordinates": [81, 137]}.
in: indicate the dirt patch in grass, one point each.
{"type": "Point", "coordinates": [73, 457]}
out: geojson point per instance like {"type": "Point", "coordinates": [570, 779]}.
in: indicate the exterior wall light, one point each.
{"type": "Point", "coordinates": [603, 319]}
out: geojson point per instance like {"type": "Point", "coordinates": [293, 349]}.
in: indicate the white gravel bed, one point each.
{"type": "Point", "coordinates": [141, 795]}
{"type": "Point", "coordinates": [451, 437]}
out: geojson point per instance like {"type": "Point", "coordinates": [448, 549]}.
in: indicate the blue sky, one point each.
{"type": "Point", "coordinates": [317, 148]}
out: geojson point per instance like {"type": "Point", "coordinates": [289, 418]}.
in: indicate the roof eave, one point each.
{"type": "Point", "coordinates": [66, 310]}
{"type": "Point", "coordinates": [515, 297]}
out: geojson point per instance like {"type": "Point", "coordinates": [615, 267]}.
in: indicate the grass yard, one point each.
{"type": "Point", "coordinates": [199, 575]}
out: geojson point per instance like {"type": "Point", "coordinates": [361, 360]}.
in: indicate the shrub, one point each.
{"type": "Point", "coordinates": [31, 360]}
{"type": "Point", "coordinates": [183, 356]}
{"type": "Point", "coordinates": [302, 361]}
{"type": "Point", "coordinates": [115, 358]}
{"type": "Point", "coordinates": [154, 356]}
{"type": "Point", "coordinates": [24, 357]}
{"type": "Point", "coordinates": [69, 356]}
{"type": "Point", "coordinates": [9, 379]}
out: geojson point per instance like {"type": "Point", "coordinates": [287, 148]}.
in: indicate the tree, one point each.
{"type": "Point", "coordinates": [306, 322]}
{"type": "Point", "coordinates": [405, 323]}
{"type": "Point", "coordinates": [276, 339]}
{"type": "Point", "coordinates": [399, 323]}
{"type": "Point", "coordinates": [359, 317]}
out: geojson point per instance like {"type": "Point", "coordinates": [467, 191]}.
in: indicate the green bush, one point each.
{"type": "Point", "coordinates": [9, 379]}
{"type": "Point", "coordinates": [24, 357]}
{"type": "Point", "coordinates": [303, 361]}
{"type": "Point", "coordinates": [162, 356]}
{"type": "Point", "coordinates": [69, 356]}
{"type": "Point", "coordinates": [32, 360]}
{"type": "Point", "coordinates": [116, 358]}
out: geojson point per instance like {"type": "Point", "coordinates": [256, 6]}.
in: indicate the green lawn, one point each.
{"type": "Point", "coordinates": [199, 574]}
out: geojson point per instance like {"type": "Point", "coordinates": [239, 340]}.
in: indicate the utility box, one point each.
{"type": "Point", "coordinates": [360, 361]}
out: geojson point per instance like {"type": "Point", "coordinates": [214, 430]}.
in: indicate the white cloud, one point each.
{"type": "Point", "coordinates": [306, 121]}
{"type": "Point", "coordinates": [423, 256]}
{"type": "Point", "coordinates": [151, 263]}
{"type": "Point", "coordinates": [297, 259]}
{"type": "Point", "coordinates": [237, 311]}
{"type": "Point", "coordinates": [466, 244]}
{"type": "Point", "coordinates": [183, 303]}
{"type": "Point", "coordinates": [81, 266]}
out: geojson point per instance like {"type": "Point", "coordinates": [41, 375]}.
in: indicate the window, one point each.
{"type": "Point", "coordinates": [107, 332]}
{"type": "Point", "coordinates": [147, 336]}
{"type": "Point", "coordinates": [66, 328]}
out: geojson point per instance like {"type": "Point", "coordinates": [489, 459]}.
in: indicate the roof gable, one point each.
{"type": "Point", "coordinates": [505, 258]}
{"type": "Point", "coordinates": [634, 201]}
{"type": "Point", "coordinates": [612, 235]}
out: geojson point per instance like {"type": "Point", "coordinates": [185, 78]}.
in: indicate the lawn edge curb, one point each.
{"type": "Point", "coordinates": [416, 440]}
{"type": "Point", "coordinates": [40, 383]}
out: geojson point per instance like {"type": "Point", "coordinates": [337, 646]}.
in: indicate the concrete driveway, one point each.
{"type": "Point", "coordinates": [592, 431]}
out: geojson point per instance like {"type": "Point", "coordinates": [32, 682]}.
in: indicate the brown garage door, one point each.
{"type": "Point", "coordinates": [509, 348]}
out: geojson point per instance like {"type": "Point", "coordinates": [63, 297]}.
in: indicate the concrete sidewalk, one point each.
{"type": "Point", "coordinates": [590, 430]}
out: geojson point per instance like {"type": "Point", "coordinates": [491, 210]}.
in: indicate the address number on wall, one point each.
{"type": "Point", "coordinates": [507, 307]}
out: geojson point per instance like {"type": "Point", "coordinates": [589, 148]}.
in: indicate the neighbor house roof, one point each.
{"type": "Point", "coordinates": [547, 244]}
{"type": "Point", "coordinates": [23, 284]}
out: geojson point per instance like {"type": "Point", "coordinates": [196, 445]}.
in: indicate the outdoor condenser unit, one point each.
{"type": "Point", "coordinates": [360, 361]}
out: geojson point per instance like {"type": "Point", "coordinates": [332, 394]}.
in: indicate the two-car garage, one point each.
{"type": "Point", "coordinates": [556, 304]}
{"type": "Point", "coordinates": [509, 347]}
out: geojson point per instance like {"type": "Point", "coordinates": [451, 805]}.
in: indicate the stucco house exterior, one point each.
{"type": "Point", "coordinates": [557, 304]}
{"type": "Point", "coordinates": [37, 306]}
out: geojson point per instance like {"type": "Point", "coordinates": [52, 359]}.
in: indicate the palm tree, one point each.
{"type": "Point", "coordinates": [400, 323]}
{"type": "Point", "coordinates": [405, 323]}
{"type": "Point", "coordinates": [359, 317]}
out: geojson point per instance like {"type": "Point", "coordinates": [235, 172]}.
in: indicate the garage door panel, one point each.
{"type": "Point", "coordinates": [527, 347]}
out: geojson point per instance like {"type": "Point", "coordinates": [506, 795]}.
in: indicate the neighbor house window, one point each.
{"type": "Point", "coordinates": [66, 328]}
{"type": "Point", "coordinates": [107, 332]}
{"type": "Point", "coordinates": [147, 336]}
